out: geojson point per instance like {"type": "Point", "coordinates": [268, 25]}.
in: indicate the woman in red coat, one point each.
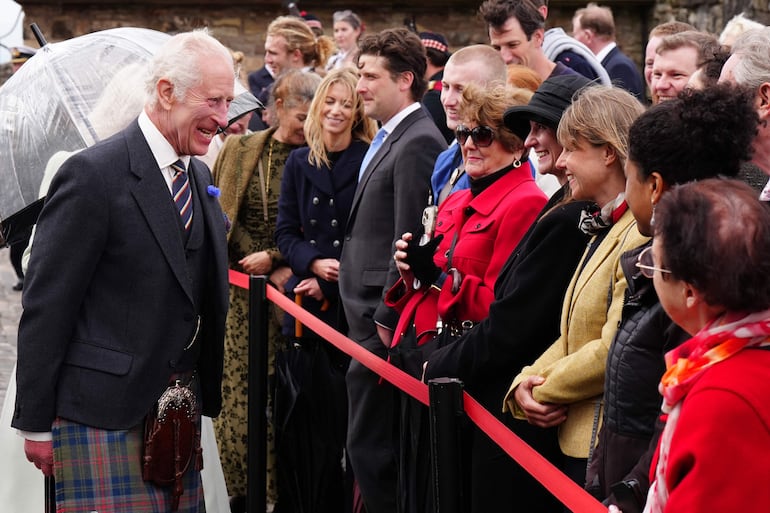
{"type": "Point", "coordinates": [448, 284]}
{"type": "Point", "coordinates": [710, 265]}
{"type": "Point", "coordinates": [476, 228]}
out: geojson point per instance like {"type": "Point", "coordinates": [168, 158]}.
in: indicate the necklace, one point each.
{"type": "Point", "coordinates": [264, 188]}
{"type": "Point", "coordinates": [269, 166]}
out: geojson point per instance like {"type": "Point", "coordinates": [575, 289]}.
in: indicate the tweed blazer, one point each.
{"type": "Point", "coordinates": [574, 365]}
{"type": "Point", "coordinates": [234, 168]}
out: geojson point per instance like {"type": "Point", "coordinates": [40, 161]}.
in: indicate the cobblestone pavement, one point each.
{"type": "Point", "coordinates": [10, 311]}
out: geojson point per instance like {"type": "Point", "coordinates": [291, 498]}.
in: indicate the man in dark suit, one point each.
{"type": "Point", "coordinates": [259, 85]}
{"type": "Point", "coordinates": [393, 187]}
{"type": "Point", "coordinates": [127, 293]}
{"type": "Point", "coordinates": [594, 26]}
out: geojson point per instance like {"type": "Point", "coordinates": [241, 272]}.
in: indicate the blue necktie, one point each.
{"type": "Point", "coordinates": [180, 190]}
{"type": "Point", "coordinates": [376, 143]}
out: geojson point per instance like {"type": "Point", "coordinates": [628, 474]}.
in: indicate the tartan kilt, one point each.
{"type": "Point", "coordinates": [99, 470]}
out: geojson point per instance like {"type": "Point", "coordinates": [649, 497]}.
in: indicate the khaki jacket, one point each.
{"type": "Point", "coordinates": [234, 168]}
{"type": "Point", "coordinates": [573, 367]}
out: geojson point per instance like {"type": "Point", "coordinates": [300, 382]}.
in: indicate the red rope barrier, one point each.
{"type": "Point", "coordinates": [561, 486]}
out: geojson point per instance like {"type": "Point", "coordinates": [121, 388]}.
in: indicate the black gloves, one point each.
{"type": "Point", "coordinates": [420, 259]}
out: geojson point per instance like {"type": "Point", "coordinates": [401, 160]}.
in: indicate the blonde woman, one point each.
{"type": "Point", "coordinates": [316, 195]}
{"type": "Point", "coordinates": [564, 386]}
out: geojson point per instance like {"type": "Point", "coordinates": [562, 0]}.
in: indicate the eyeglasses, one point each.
{"type": "Point", "coordinates": [646, 265]}
{"type": "Point", "coordinates": [482, 136]}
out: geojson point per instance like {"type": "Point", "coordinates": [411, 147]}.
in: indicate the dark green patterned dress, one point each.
{"type": "Point", "coordinates": [252, 231]}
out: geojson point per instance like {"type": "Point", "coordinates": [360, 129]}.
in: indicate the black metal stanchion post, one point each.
{"type": "Point", "coordinates": [446, 411]}
{"type": "Point", "coordinates": [256, 458]}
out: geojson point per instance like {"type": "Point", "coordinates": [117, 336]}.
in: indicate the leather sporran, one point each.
{"type": "Point", "coordinates": [172, 440]}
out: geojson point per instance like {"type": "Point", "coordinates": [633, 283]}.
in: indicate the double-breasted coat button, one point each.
{"type": "Point", "coordinates": [313, 222]}
{"type": "Point", "coordinates": [336, 243]}
{"type": "Point", "coordinates": [331, 202]}
{"type": "Point", "coordinates": [334, 223]}
{"type": "Point", "coordinates": [316, 201]}
{"type": "Point", "coordinates": [312, 242]}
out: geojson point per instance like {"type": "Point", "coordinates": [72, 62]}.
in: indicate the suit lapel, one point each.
{"type": "Point", "coordinates": [211, 214]}
{"type": "Point", "coordinates": [381, 154]}
{"type": "Point", "coordinates": [609, 56]}
{"type": "Point", "coordinates": [152, 195]}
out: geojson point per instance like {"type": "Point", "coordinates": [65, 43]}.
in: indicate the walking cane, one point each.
{"type": "Point", "coordinates": [50, 495]}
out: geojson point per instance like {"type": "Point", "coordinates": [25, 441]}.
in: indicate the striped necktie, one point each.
{"type": "Point", "coordinates": [180, 190]}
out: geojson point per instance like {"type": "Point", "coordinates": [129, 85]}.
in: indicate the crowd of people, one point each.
{"type": "Point", "coordinates": [523, 216]}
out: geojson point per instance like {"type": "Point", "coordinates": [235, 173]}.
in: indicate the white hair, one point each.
{"type": "Point", "coordinates": [737, 26]}
{"type": "Point", "coordinates": [180, 60]}
{"type": "Point", "coordinates": [753, 68]}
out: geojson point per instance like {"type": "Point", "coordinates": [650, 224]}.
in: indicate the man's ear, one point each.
{"type": "Point", "coordinates": [165, 90]}
{"type": "Point", "coordinates": [405, 81]}
{"type": "Point", "coordinates": [763, 101]}
{"type": "Point", "coordinates": [538, 36]}
{"type": "Point", "coordinates": [296, 56]}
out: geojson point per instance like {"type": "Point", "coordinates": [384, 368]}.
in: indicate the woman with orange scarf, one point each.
{"type": "Point", "coordinates": [710, 264]}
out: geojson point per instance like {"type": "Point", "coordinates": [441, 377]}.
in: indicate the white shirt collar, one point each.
{"type": "Point", "coordinates": [765, 194]}
{"type": "Point", "coordinates": [161, 149]}
{"type": "Point", "coordinates": [601, 54]}
{"type": "Point", "coordinates": [398, 118]}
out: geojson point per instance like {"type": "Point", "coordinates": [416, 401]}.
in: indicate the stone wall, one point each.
{"type": "Point", "coordinates": [242, 27]}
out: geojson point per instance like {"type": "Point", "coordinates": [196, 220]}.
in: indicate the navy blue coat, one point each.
{"type": "Point", "coordinates": [623, 72]}
{"type": "Point", "coordinates": [312, 211]}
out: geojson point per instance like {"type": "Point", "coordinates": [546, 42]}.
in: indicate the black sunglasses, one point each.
{"type": "Point", "coordinates": [482, 136]}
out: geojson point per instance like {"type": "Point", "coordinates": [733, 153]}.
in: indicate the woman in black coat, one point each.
{"type": "Point", "coordinates": [524, 317]}
{"type": "Point", "coordinates": [317, 190]}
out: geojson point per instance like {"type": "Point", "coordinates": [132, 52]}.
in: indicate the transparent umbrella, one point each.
{"type": "Point", "coordinates": [48, 105]}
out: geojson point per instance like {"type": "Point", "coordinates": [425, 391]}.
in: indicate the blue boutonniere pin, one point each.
{"type": "Point", "coordinates": [213, 191]}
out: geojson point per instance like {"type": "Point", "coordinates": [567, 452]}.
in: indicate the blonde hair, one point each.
{"type": "Point", "coordinates": [362, 127]}
{"type": "Point", "coordinates": [600, 115]}
{"type": "Point", "coordinates": [485, 105]}
{"type": "Point", "coordinates": [492, 64]}
{"type": "Point", "coordinates": [299, 36]}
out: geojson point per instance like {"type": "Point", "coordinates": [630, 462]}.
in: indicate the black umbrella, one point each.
{"type": "Point", "coordinates": [310, 417]}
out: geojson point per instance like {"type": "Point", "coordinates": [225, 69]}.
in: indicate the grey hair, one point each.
{"type": "Point", "coordinates": [294, 88]}
{"type": "Point", "coordinates": [179, 61]}
{"type": "Point", "coordinates": [737, 25]}
{"type": "Point", "coordinates": [349, 17]}
{"type": "Point", "coordinates": [753, 67]}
